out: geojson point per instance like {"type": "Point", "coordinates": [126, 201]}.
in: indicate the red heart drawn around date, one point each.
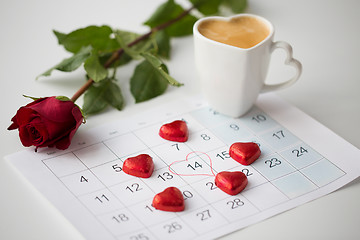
{"type": "Point", "coordinates": [176, 131]}
{"type": "Point", "coordinates": [244, 152]}
{"type": "Point", "coordinates": [170, 200]}
{"type": "Point", "coordinates": [139, 166]}
{"type": "Point", "coordinates": [193, 168]}
{"type": "Point", "coordinates": [231, 182]}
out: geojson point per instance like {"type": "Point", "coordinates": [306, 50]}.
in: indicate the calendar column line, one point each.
{"type": "Point", "coordinates": [77, 197]}
{"type": "Point", "coordinates": [148, 147]}
{"type": "Point", "coordinates": [152, 152]}
{"type": "Point", "coordinates": [213, 204]}
{"type": "Point", "coordinates": [106, 187]}
{"type": "Point", "coordinates": [110, 149]}
{"type": "Point", "coordinates": [298, 169]}
{"type": "Point", "coordinates": [147, 227]}
{"type": "Point", "coordinates": [267, 180]}
{"type": "Point", "coordinates": [125, 206]}
{"type": "Point", "coordinates": [188, 225]}
{"type": "Point", "coordinates": [181, 177]}
{"type": "Point", "coordinates": [200, 193]}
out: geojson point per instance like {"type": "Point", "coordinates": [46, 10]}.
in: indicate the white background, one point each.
{"type": "Point", "coordinates": [325, 38]}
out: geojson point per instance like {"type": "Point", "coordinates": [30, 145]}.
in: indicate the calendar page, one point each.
{"type": "Point", "coordinates": [300, 161]}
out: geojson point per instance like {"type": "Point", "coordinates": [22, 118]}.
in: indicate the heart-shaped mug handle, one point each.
{"type": "Point", "coordinates": [288, 61]}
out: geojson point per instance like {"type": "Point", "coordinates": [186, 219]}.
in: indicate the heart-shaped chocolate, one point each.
{"type": "Point", "coordinates": [176, 131]}
{"type": "Point", "coordinates": [241, 31]}
{"type": "Point", "coordinates": [231, 182]}
{"type": "Point", "coordinates": [139, 166]}
{"type": "Point", "coordinates": [170, 200]}
{"type": "Point", "coordinates": [244, 152]}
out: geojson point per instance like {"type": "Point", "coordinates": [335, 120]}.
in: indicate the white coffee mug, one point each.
{"type": "Point", "coordinates": [232, 77]}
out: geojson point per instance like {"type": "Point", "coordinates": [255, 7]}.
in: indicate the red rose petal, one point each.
{"type": "Point", "coordinates": [47, 122]}
{"type": "Point", "coordinates": [25, 115]}
{"type": "Point", "coordinates": [231, 182]}
{"type": "Point", "coordinates": [170, 200]}
{"type": "Point", "coordinates": [139, 166]}
{"type": "Point", "coordinates": [25, 138]}
{"type": "Point", "coordinates": [176, 131]}
{"type": "Point", "coordinates": [244, 152]}
{"type": "Point", "coordinates": [53, 109]}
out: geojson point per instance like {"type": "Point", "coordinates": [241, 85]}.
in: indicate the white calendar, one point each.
{"type": "Point", "coordinates": [300, 160]}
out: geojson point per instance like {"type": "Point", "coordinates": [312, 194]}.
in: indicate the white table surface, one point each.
{"type": "Point", "coordinates": [326, 39]}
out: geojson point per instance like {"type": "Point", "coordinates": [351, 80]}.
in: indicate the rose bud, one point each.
{"type": "Point", "coordinates": [47, 122]}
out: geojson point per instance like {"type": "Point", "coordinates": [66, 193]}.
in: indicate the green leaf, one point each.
{"type": "Point", "coordinates": [72, 63]}
{"type": "Point", "coordinates": [163, 42]}
{"type": "Point", "coordinates": [168, 11]}
{"type": "Point", "coordinates": [207, 7]}
{"type": "Point", "coordinates": [60, 36]}
{"type": "Point", "coordinates": [146, 82]}
{"type": "Point", "coordinates": [184, 27]}
{"type": "Point", "coordinates": [114, 96]}
{"type": "Point", "coordinates": [124, 59]}
{"type": "Point", "coordinates": [99, 38]}
{"type": "Point", "coordinates": [94, 101]}
{"type": "Point", "coordinates": [237, 6]}
{"type": "Point", "coordinates": [93, 67]}
{"type": "Point", "coordinates": [100, 95]}
{"type": "Point", "coordinates": [162, 14]}
{"type": "Point", "coordinates": [150, 78]}
{"type": "Point", "coordinates": [161, 68]}
{"type": "Point", "coordinates": [124, 38]}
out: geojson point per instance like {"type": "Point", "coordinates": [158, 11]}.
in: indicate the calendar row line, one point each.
{"type": "Point", "coordinates": [133, 190]}
{"type": "Point", "coordinates": [127, 220]}
{"type": "Point", "coordinates": [271, 164]}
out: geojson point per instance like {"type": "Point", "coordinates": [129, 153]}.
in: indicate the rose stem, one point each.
{"type": "Point", "coordinates": [117, 54]}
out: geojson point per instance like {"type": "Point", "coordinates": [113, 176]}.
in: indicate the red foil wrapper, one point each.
{"type": "Point", "coordinates": [231, 182]}
{"type": "Point", "coordinates": [244, 152]}
{"type": "Point", "coordinates": [176, 131]}
{"type": "Point", "coordinates": [139, 166]}
{"type": "Point", "coordinates": [170, 200]}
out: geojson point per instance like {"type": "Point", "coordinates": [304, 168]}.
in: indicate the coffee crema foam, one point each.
{"type": "Point", "coordinates": [242, 32]}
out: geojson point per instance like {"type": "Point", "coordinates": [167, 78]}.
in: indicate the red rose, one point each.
{"type": "Point", "coordinates": [47, 122]}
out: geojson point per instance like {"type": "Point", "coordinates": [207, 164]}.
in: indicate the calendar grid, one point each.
{"type": "Point", "coordinates": [77, 197]}
{"type": "Point", "coordinates": [116, 199]}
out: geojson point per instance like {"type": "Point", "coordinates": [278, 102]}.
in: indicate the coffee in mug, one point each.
{"type": "Point", "coordinates": [232, 57]}
{"type": "Point", "coordinates": [242, 32]}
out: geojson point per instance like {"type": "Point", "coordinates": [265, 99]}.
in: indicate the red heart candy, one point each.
{"type": "Point", "coordinates": [170, 200]}
{"type": "Point", "coordinates": [139, 166]}
{"type": "Point", "coordinates": [231, 182]}
{"type": "Point", "coordinates": [176, 131]}
{"type": "Point", "coordinates": [244, 152]}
